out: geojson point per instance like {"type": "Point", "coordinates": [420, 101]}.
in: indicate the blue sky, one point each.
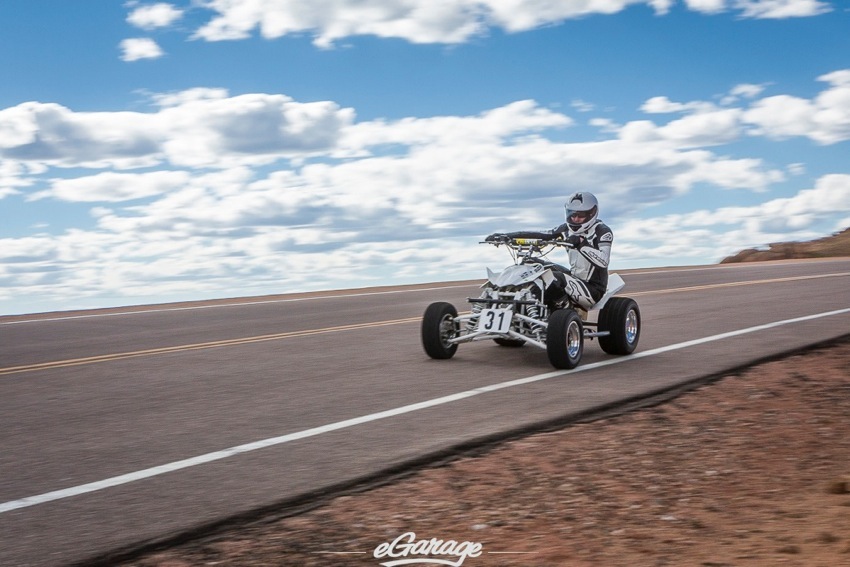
{"type": "Point", "coordinates": [159, 151]}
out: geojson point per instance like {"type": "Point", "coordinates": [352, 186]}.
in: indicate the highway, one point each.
{"type": "Point", "coordinates": [119, 427]}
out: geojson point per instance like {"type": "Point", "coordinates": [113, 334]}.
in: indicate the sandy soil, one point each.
{"type": "Point", "coordinates": [751, 470]}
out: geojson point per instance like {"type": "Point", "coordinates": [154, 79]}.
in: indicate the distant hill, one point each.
{"type": "Point", "coordinates": [836, 245]}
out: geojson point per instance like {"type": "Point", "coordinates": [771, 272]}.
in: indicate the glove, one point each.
{"type": "Point", "coordinates": [576, 241]}
{"type": "Point", "coordinates": [497, 237]}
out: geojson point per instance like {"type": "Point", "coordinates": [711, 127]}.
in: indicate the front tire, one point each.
{"type": "Point", "coordinates": [620, 317]}
{"type": "Point", "coordinates": [565, 339]}
{"type": "Point", "coordinates": [438, 327]}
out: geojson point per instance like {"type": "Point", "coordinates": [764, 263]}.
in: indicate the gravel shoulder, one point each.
{"type": "Point", "coordinates": [753, 469]}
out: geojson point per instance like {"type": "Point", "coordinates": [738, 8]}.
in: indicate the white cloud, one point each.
{"type": "Point", "coordinates": [13, 176]}
{"type": "Point", "coordinates": [417, 21]}
{"type": "Point", "coordinates": [703, 129]}
{"type": "Point", "coordinates": [762, 9]}
{"type": "Point", "coordinates": [747, 90]}
{"type": "Point", "coordinates": [824, 119]}
{"type": "Point", "coordinates": [134, 49]}
{"type": "Point", "coordinates": [115, 187]}
{"type": "Point", "coordinates": [780, 9]}
{"type": "Point", "coordinates": [493, 125]}
{"type": "Point", "coordinates": [153, 16]}
{"type": "Point", "coordinates": [450, 22]}
{"type": "Point", "coordinates": [707, 6]}
{"type": "Point", "coordinates": [252, 128]}
{"type": "Point", "coordinates": [200, 128]}
{"type": "Point", "coordinates": [743, 91]}
{"type": "Point", "coordinates": [720, 232]}
{"type": "Point", "coordinates": [51, 133]}
{"type": "Point", "coordinates": [385, 199]}
{"type": "Point", "coordinates": [663, 105]}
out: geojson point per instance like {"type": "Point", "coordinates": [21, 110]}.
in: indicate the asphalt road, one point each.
{"type": "Point", "coordinates": [122, 427]}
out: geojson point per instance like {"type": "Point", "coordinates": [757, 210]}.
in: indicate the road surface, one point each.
{"type": "Point", "coordinates": [128, 426]}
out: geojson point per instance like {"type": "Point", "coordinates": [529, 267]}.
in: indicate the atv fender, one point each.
{"type": "Point", "coordinates": [615, 284]}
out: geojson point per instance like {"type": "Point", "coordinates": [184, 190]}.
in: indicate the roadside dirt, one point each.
{"type": "Point", "coordinates": [753, 469]}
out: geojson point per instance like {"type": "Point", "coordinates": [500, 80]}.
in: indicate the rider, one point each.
{"type": "Point", "coordinates": [587, 278]}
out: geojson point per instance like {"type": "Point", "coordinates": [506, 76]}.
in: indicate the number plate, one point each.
{"type": "Point", "coordinates": [495, 320]}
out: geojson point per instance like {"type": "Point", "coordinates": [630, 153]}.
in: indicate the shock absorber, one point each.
{"type": "Point", "coordinates": [476, 309]}
{"type": "Point", "coordinates": [534, 310]}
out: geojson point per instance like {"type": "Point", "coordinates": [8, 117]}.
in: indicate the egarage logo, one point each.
{"type": "Point", "coordinates": [407, 550]}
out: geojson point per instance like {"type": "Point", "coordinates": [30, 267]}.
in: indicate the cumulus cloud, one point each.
{"type": "Point", "coordinates": [204, 194]}
{"type": "Point", "coordinates": [136, 48]}
{"type": "Point", "coordinates": [154, 16]}
{"type": "Point", "coordinates": [706, 6]}
{"type": "Point", "coordinates": [722, 231]}
{"type": "Point", "coordinates": [426, 21]}
{"type": "Point", "coordinates": [51, 133]}
{"type": "Point", "coordinates": [200, 128]}
{"type": "Point", "coordinates": [493, 125]}
{"type": "Point", "coordinates": [762, 9]}
{"type": "Point", "coordinates": [825, 119]}
{"type": "Point", "coordinates": [781, 9]}
{"type": "Point", "coordinates": [249, 128]}
{"type": "Point", "coordinates": [114, 187]}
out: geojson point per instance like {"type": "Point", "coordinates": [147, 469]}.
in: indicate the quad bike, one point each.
{"type": "Point", "coordinates": [513, 310]}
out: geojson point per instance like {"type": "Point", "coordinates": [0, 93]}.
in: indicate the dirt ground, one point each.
{"type": "Point", "coordinates": [753, 469]}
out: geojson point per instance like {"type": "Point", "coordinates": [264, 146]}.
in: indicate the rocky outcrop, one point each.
{"type": "Point", "coordinates": [836, 245]}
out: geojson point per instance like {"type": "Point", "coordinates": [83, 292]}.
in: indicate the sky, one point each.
{"type": "Point", "coordinates": [196, 149]}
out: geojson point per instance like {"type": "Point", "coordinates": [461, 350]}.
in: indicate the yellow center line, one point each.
{"type": "Point", "coordinates": [737, 284]}
{"type": "Point", "coordinates": [310, 332]}
{"type": "Point", "coordinates": [197, 346]}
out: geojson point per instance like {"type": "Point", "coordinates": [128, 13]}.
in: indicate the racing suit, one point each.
{"type": "Point", "coordinates": [587, 278]}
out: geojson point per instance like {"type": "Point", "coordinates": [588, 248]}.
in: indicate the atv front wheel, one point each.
{"type": "Point", "coordinates": [565, 339]}
{"type": "Point", "coordinates": [438, 327]}
{"type": "Point", "coordinates": [621, 318]}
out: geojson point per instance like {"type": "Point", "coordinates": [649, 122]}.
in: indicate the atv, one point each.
{"type": "Point", "coordinates": [513, 310]}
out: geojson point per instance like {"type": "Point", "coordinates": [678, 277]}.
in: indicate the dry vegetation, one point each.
{"type": "Point", "coordinates": [753, 470]}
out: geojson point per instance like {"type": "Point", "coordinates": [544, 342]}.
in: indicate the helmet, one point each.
{"type": "Point", "coordinates": [582, 211]}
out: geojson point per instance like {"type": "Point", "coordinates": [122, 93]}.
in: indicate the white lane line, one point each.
{"type": "Point", "coordinates": [272, 441]}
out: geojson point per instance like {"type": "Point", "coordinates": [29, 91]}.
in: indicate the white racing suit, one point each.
{"type": "Point", "coordinates": [586, 279]}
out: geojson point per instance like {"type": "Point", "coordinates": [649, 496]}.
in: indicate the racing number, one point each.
{"type": "Point", "coordinates": [495, 320]}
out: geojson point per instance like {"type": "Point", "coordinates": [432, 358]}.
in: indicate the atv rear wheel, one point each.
{"type": "Point", "coordinates": [621, 318]}
{"type": "Point", "coordinates": [438, 327]}
{"type": "Point", "coordinates": [565, 339]}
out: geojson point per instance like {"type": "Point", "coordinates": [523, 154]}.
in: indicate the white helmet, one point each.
{"type": "Point", "coordinates": [582, 211]}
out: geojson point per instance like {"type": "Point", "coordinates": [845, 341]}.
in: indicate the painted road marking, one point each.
{"type": "Point", "coordinates": [234, 304]}
{"type": "Point", "coordinates": [272, 441]}
{"type": "Point", "coordinates": [309, 332]}
{"type": "Point", "coordinates": [736, 284]}
{"type": "Point", "coordinates": [197, 346]}
{"type": "Point", "coordinates": [143, 311]}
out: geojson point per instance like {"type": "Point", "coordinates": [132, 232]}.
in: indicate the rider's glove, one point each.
{"type": "Point", "coordinates": [496, 237]}
{"type": "Point", "coordinates": [576, 241]}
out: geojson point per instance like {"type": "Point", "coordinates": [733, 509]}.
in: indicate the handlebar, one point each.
{"type": "Point", "coordinates": [527, 242]}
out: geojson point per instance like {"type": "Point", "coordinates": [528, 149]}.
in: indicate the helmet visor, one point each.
{"type": "Point", "coordinates": [578, 217]}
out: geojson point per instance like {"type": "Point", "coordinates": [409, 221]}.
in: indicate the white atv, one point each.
{"type": "Point", "coordinates": [513, 310]}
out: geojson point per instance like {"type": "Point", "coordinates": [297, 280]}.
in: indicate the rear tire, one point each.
{"type": "Point", "coordinates": [438, 327]}
{"type": "Point", "coordinates": [620, 317]}
{"type": "Point", "coordinates": [565, 339]}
